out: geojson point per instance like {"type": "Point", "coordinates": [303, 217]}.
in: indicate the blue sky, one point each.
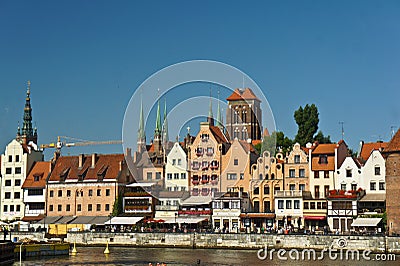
{"type": "Point", "coordinates": [86, 58]}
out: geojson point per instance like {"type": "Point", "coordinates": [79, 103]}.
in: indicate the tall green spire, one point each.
{"type": "Point", "coordinates": [157, 131]}
{"type": "Point", "coordinates": [141, 134]}
{"type": "Point", "coordinates": [165, 124]}
{"type": "Point", "coordinates": [210, 118]}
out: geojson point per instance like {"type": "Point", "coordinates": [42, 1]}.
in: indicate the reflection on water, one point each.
{"type": "Point", "coordinates": [178, 256]}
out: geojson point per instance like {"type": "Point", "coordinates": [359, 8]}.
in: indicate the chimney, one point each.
{"type": "Point", "coordinates": [94, 158]}
{"type": "Point", "coordinates": [80, 160]}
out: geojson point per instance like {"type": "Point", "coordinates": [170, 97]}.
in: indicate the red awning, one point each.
{"type": "Point", "coordinates": [315, 218]}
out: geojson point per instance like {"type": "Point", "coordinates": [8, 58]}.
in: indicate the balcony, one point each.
{"type": "Point", "coordinates": [167, 208]}
{"type": "Point", "coordinates": [291, 193]}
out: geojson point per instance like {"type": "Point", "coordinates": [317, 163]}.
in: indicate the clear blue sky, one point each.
{"type": "Point", "coordinates": [85, 59]}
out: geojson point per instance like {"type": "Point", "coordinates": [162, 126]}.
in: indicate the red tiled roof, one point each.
{"type": "Point", "coordinates": [40, 170]}
{"type": "Point", "coordinates": [219, 136]}
{"type": "Point", "coordinates": [246, 146]}
{"type": "Point", "coordinates": [106, 166]}
{"type": "Point", "coordinates": [367, 148]}
{"type": "Point", "coordinates": [394, 144]}
{"type": "Point", "coordinates": [255, 142]}
{"type": "Point", "coordinates": [325, 148]}
{"type": "Point", "coordinates": [246, 94]}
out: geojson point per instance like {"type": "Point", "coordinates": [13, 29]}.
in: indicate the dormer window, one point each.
{"type": "Point", "coordinates": [36, 178]}
{"type": "Point", "coordinates": [323, 159]}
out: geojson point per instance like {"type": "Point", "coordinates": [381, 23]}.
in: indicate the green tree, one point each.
{"type": "Point", "coordinates": [283, 143]}
{"type": "Point", "coordinates": [321, 138]}
{"type": "Point", "coordinates": [307, 120]}
{"type": "Point", "coordinates": [117, 208]}
{"type": "Point", "coordinates": [276, 141]}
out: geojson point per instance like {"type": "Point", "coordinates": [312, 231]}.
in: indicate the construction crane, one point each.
{"type": "Point", "coordinates": [60, 144]}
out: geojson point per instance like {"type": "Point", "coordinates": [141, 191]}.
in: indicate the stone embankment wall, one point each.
{"type": "Point", "coordinates": [376, 244]}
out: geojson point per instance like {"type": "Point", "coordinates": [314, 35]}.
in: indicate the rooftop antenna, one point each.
{"type": "Point", "coordinates": [341, 123]}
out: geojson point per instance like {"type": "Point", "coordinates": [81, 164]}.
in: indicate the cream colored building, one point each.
{"type": "Point", "coordinates": [297, 170]}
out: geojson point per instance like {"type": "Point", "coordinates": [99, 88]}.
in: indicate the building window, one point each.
{"type": "Point", "coordinates": [51, 208]}
{"type": "Point", "coordinates": [17, 195]}
{"type": "Point", "coordinates": [98, 192]}
{"type": "Point", "coordinates": [241, 176]}
{"type": "Point", "coordinates": [377, 170]}
{"type": "Point", "coordinates": [326, 174]}
{"type": "Point", "coordinates": [302, 187]}
{"type": "Point", "coordinates": [349, 173]}
{"type": "Point", "coordinates": [343, 186]}
{"type": "Point", "coordinates": [59, 207]}
{"type": "Point", "coordinates": [381, 185]}
{"type": "Point", "coordinates": [316, 174]}
{"type": "Point", "coordinates": [305, 205]}
{"type": "Point", "coordinates": [79, 207]}
{"type": "Point", "coordinates": [267, 206]}
{"type": "Point", "coordinates": [173, 161]}
{"type": "Point", "coordinates": [176, 175]}
{"type": "Point", "coordinates": [169, 176]}
{"type": "Point", "coordinates": [210, 151]}
{"type": "Point", "coordinates": [179, 162]}
{"type": "Point", "coordinates": [149, 176]}
{"type": "Point", "coordinates": [266, 190]}
{"type": "Point", "coordinates": [296, 204]}
{"type": "Point", "coordinates": [9, 158]}
{"type": "Point", "coordinates": [8, 170]}
{"type": "Point", "coordinates": [183, 175]}
{"type": "Point", "coordinates": [354, 187]}
{"type": "Point", "coordinates": [68, 193]}
{"type": "Point", "coordinates": [5, 208]}
{"type": "Point", "coordinates": [292, 187]}
{"type": "Point", "coordinates": [297, 159]}
{"type": "Point", "coordinates": [7, 195]}
{"type": "Point", "coordinates": [17, 158]}
{"type": "Point", "coordinates": [108, 192]}
{"type": "Point", "coordinates": [60, 193]}
{"type": "Point", "coordinates": [323, 159]}
{"type": "Point", "coordinates": [326, 191]}
{"type": "Point", "coordinates": [11, 208]}
{"type": "Point", "coordinates": [35, 192]}
{"type": "Point", "coordinates": [36, 178]}
{"type": "Point", "coordinates": [107, 207]}
{"type": "Point", "coordinates": [68, 208]}
{"type": "Point", "coordinates": [372, 186]}
{"type": "Point", "coordinates": [256, 191]}
{"type": "Point", "coordinates": [288, 204]}
{"type": "Point", "coordinates": [235, 162]}
{"type": "Point", "coordinates": [89, 207]}
{"type": "Point", "coordinates": [316, 192]}
{"type": "Point", "coordinates": [158, 175]}
{"type": "Point", "coordinates": [231, 176]}
{"type": "Point", "coordinates": [98, 207]}
{"type": "Point", "coordinates": [18, 170]}
{"type": "Point", "coordinates": [302, 173]}
{"type": "Point", "coordinates": [8, 183]}
{"type": "Point", "coordinates": [335, 223]}
{"type": "Point", "coordinates": [312, 205]}
{"type": "Point", "coordinates": [90, 192]}
{"type": "Point", "coordinates": [292, 173]}
{"type": "Point", "coordinates": [280, 204]}
{"type": "Point", "coordinates": [51, 193]}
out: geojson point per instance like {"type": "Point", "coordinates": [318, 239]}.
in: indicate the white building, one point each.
{"type": "Point", "coordinates": [349, 175]}
{"type": "Point", "coordinates": [289, 207]}
{"type": "Point", "coordinates": [176, 177]}
{"type": "Point", "coordinates": [17, 160]}
{"type": "Point", "coordinates": [15, 165]}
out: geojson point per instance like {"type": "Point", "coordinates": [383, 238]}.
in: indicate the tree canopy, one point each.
{"type": "Point", "coordinates": [307, 121]}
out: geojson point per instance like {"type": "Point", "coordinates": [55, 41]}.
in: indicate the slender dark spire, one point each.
{"type": "Point", "coordinates": [28, 133]}
{"type": "Point", "coordinates": [141, 134]}
{"type": "Point", "coordinates": [157, 131]}
{"type": "Point", "coordinates": [210, 118]}
{"type": "Point", "coordinates": [165, 136]}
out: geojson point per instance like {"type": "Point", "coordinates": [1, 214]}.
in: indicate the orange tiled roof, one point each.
{"type": "Point", "coordinates": [246, 94]}
{"type": "Point", "coordinates": [219, 136]}
{"type": "Point", "coordinates": [40, 170]}
{"type": "Point", "coordinates": [325, 148]}
{"type": "Point", "coordinates": [255, 141]}
{"type": "Point", "coordinates": [316, 166]}
{"type": "Point", "coordinates": [394, 144]}
{"type": "Point", "coordinates": [367, 148]}
{"type": "Point", "coordinates": [246, 146]}
{"type": "Point", "coordinates": [107, 166]}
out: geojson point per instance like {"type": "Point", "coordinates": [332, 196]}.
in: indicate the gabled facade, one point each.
{"type": "Point", "coordinates": [325, 160]}
{"type": "Point", "coordinates": [86, 185]}
{"type": "Point", "coordinates": [205, 157]}
{"type": "Point", "coordinates": [296, 170]}
{"type": "Point", "coordinates": [35, 191]}
{"type": "Point", "coordinates": [176, 170]}
{"type": "Point", "coordinates": [349, 175]}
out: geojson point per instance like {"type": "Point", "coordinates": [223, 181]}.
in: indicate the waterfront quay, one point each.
{"type": "Point", "coordinates": [375, 244]}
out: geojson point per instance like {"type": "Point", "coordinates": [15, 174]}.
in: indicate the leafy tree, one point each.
{"type": "Point", "coordinates": [117, 208]}
{"type": "Point", "coordinates": [321, 138]}
{"type": "Point", "coordinates": [269, 143]}
{"type": "Point", "coordinates": [283, 143]}
{"type": "Point", "coordinates": [307, 120]}
{"type": "Point", "coordinates": [276, 141]}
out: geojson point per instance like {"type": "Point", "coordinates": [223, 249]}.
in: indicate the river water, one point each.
{"type": "Point", "coordinates": [178, 257]}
